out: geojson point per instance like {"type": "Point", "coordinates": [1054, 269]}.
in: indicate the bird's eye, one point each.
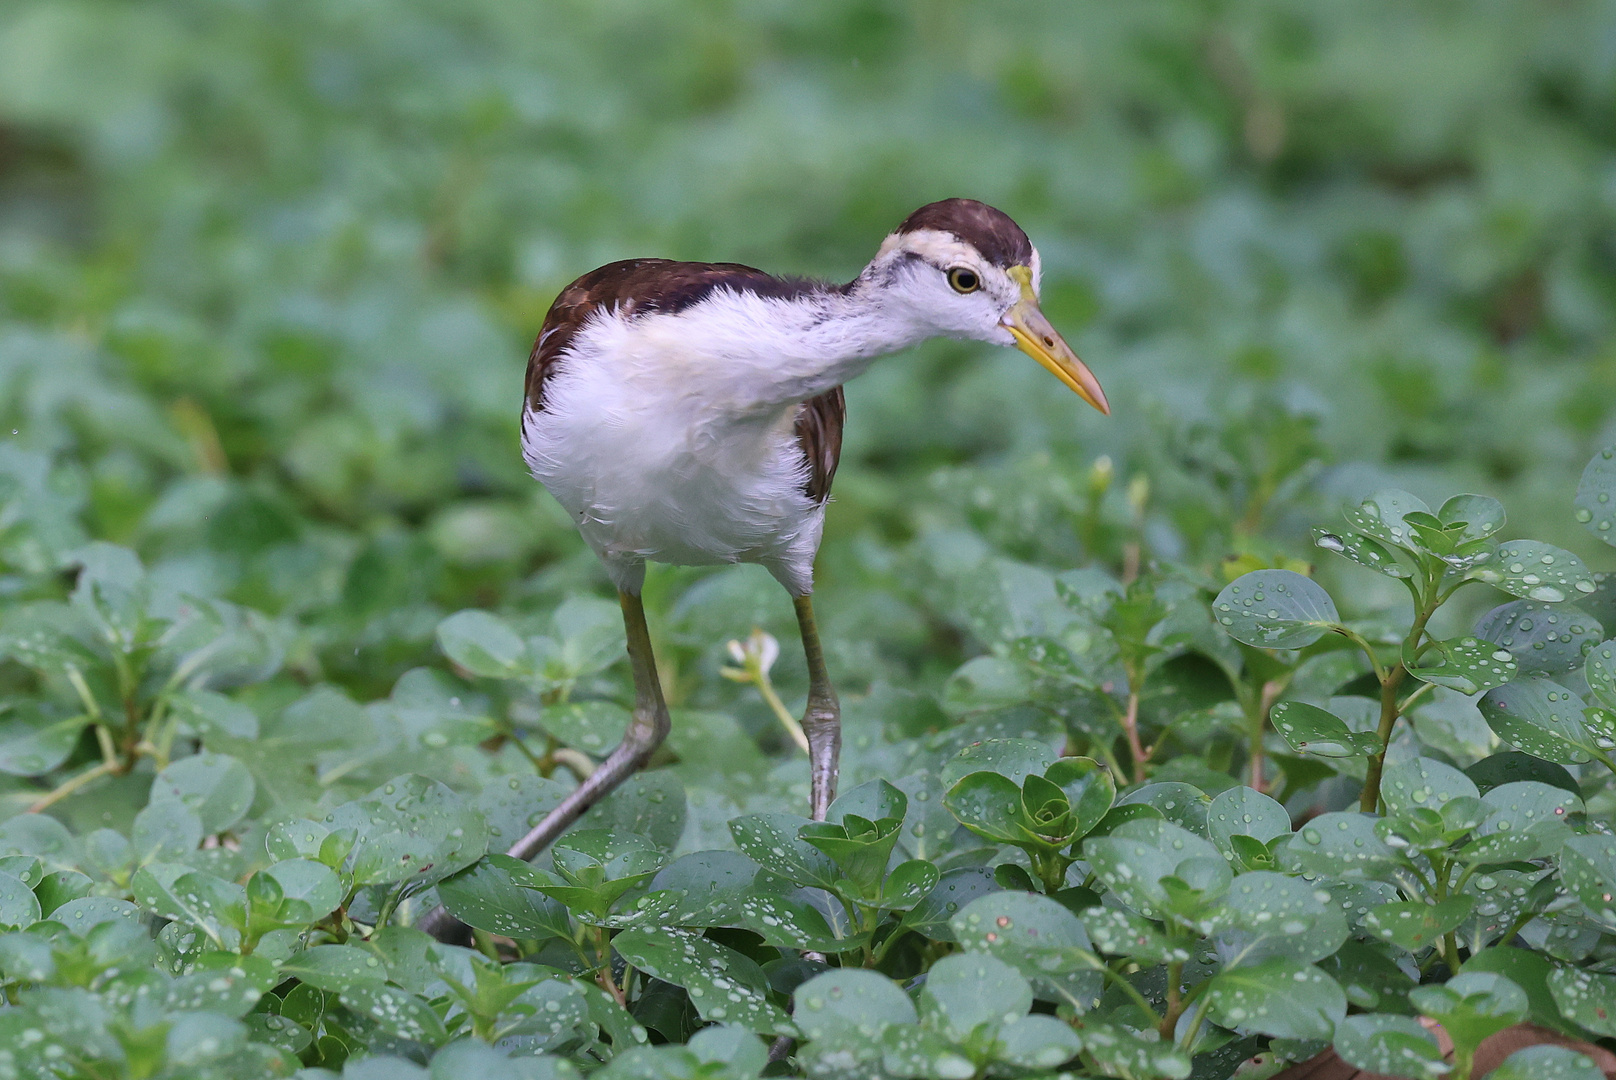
{"type": "Point", "coordinates": [963, 280]}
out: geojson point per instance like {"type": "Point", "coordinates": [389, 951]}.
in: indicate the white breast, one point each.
{"type": "Point", "coordinates": [643, 446]}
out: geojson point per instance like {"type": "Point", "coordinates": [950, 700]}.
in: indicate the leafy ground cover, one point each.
{"type": "Point", "coordinates": [292, 649]}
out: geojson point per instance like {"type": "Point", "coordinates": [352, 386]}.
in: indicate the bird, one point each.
{"type": "Point", "coordinates": [691, 413]}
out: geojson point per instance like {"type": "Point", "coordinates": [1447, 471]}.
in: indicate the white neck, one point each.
{"type": "Point", "coordinates": [756, 354]}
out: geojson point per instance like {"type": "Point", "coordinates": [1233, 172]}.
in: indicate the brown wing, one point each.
{"type": "Point", "coordinates": [638, 286]}
{"type": "Point", "coordinates": [819, 433]}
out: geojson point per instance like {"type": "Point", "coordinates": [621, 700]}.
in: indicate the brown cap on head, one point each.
{"type": "Point", "coordinates": [990, 231]}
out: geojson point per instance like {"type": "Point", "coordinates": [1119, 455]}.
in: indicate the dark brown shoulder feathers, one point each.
{"type": "Point", "coordinates": [990, 231]}
{"type": "Point", "coordinates": [819, 433]}
{"type": "Point", "coordinates": [638, 286]}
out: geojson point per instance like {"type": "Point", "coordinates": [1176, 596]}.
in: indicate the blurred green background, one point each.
{"type": "Point", "coordinates": [270, 269]}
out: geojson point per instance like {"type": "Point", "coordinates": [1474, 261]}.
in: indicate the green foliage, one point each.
{"type": "Point", "coordinates": [291, 649]}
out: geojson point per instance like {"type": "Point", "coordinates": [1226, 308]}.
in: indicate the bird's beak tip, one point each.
{"type": "Point", "coordinates": [1039, 340]}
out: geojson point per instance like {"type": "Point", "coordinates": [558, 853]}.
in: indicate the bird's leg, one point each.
{"type": "Point", "coordinates": [646, 730]}
{"type": "Point", "coordinates": [645, 733]}
{"type": "Point", "coordinates": [822, 722]}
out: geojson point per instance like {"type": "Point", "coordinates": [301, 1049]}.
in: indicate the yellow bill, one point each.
{"type": "Point", "coordinates": [1039, 340]}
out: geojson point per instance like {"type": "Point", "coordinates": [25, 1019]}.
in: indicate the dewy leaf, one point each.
{"type": "Point", "coordinates": [1381, 516]}
{"type": "Point", "coordinates": [1547, 1062]}
{"type": "Point", "coordinates": [484, 645]}
{"type": "Point", "coordinates": [988, 804]}
{"type": "Point", "coordinates": [850, 999]}
{"type": "Point", "coordinates": [1586, 997]}
{"type": "Point", "coordinates": [873, 801]}
{"type": "Point", "coordinates": [1596, 495]}
{"type": "Point", "coordinates": [1415, 926]}
{"type": "Point", "coordinates": [1278, 997]}
{"type": "Point", "coordinates": [1536, 571]}
{"type": "Point", "coordinates": [1423, 782]}
{"type": "Point", "coordinates": [1341, 844]}
{"type": "Point", "coordinates": [1275, 609]}
{"type": "Point", "coordinates": [1362, 550]}
{"type": "Point", "coordinates": [396, 1011]}
{"type": "Point", "coordinates": [956, 888]}
{"type": "Point", "coordinates": [1544, 639]}
{"type": "Point", "coordinates": [1040, 938]}
{"type": "Point", "coordinates": [412, 828]}
{"type": "Point", "coordinates": [216, 787]}
{"type": "Point", "coordinates": [770, 840]}
{"type": "Point", "coordinates": [34, 743]}
{"type": "Point", "coordinates": [723, 984]}
{"type": "Point", "coordinates": [1390, 1046]}
{"type": "Point", "coordinates": [1482, 515]}
{"type": "Point", "coordinates": [1472, 1005]}
{"type": "Point", "coordinates": [1600, 672]}
{"type": "Point", "coordinates": [1468, 665]}
{"type": "Point", "coordinates": [1014, 759]}
{"type": "Point", "coordinates": [1269, 914]}
{"type": "Point", "coordinates": [968, 990]}
{"type": "Point", "coordinates": [1588, 869]}
{"type": "Point", "coordinates": [1310, 730]}
{"type": "Point", "coordinates": [1242, 811]}
{"type": "Point", "coordinates": [1540, 717]}
{"type": "Point", "coordinates": [496, 894]}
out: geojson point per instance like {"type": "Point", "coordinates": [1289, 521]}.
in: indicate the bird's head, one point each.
{"type": "Point", "coordinates": [963, 269]}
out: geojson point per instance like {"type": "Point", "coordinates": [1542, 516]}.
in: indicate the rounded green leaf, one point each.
{"type": "Point", "coordinates": [32, 744]}
{"type": "Point", "coordinates": [1039, 937]}
{"type": "Point", "coordinates": [1540, 717]}
{"type": "Point", "coordinates": [1037, 1042]}
{"type": "Point", "coordinates": [1547, 1062]}
{"type": "Point", "coordinates": [490, 895]}
{"type": "Point", "coordinates": [216, 787]}
{"type": "Point", "coordinates": [1341, 844]}
{"type": "Point", "coordinates": [1600, 671]}
{"type": "Point", "coordinates": [1415, 926]}
{"type": "Point", "coordinates": [988, 804]}
{"type": "Point", "coordinates": [1544, 639]}
{"type": "Point", "coordinates": [846, 999]}
{"type": "Point", "coordinates": [953, 891]}
{"type": "Point", "coordinates": [1015, 759]}
{"type": "Point", "coordinates": [335, 967]}
{"type": "Point", "coordinates": [1390, 1046]}
{"type": "Point", "coordinates": [1588, 868]}
{"type": "Point", "coordinates": [1423, 782]}
{"type": "Point", "coordinates": [1270, 914]}
{"type": "Point", "coordinates": [1243, 811]}
{"type": "Point", "coordinates": [1481, 515]}
{"type": "Point", "coordinates": [1381, 516]}
{"type": "Point", "coordinates": [1309, 729]}
{"type": "Point", "coordinates": [1536, 571]}
{"type": "Point", "coordinates": [1586, 997]}
{"type": "Point", "coordinates": [1275, 609]}
{"type": "Point", "coordinates": [1468, 664]}
{"type": "Point", "coordinates": [1362, 550]}
{"type": "Point", "coordinates": [485, 645]}
{"type": "Point", "coordinates": [723, 984]}
{"type": "Point", "coordinates": [594, 727]}
{"type": "Point", "coordinates": [396, 1011]}
{"type": "Point", "coordinates": [1182, 804]}
{"type": "Point", "coordinates": [1596, 495]}
{"type": "Point", "coordinates": [1089, 787]}
{"type": "Point", "coordinates": [19, 907]}
{"type": "Point", "coordinates": [1278, 997]}
{"type": "Point", "coordinates": [971, 989]}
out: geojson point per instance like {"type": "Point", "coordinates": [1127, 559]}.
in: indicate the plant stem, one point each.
{"type": "Point", "coordinates": [74, 784]}
{"type": "Point", "coordinates": [793, 728]}
{"type": "Point", "coordinates": [1175, 1003]}
{"type": "Point", "coordinates": [1369, 798]}
{"type": "Point", "coordinates": [1130, 726]}
{"type": "Point", "coordinates": [1258, 718]}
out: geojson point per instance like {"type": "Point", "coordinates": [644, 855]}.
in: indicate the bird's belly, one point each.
{"type": "Point", "coordinates": [676, 492]}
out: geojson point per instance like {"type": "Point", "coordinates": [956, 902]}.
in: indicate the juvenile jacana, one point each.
{"type": "Point", "coordinates": [691, 413]}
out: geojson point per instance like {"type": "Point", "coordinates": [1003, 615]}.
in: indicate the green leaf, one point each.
{"type": "Point", "coordinates": [335, 967]}
{"type": "Point", "coordinates": [1540, 717]}
{"type": "Point", "coordinates": [971, 990]}
{"type": "Point", "coordinates": [1423, 782]}
{"type": "Point", "coordinates": [1468, 665]}
{"type": "Point", "coordinates": [1362, 550]}
{"type": "Point", "coordinates": [413, 829]}
{"type": "Point", "coordinates": [1544, 639]}
{"type": "Point", "coordinates": [594, 727]}
{"type": "Point", "coordinates": [1119, 1051]}
{"type": "Point", "coordinates": [771, 841]}
{"type": "Point", "coordinates": [989, 804]}
{"type": "Point", "coordinates": [1090, 790]}
{"type": "Point", "coordinates": [1269, 914]}
{"type": "Point", "coordinates": [650, 804]}
{"type": "Point", "coordinates": [850, 999]}
{"type": "Point", "coordinates": [1122, 933]}
{"type": "Point", "coordinates": [1310, 730]}
{"type": "Point", "coordinates": [1416, 926]}
{"type": "Point", "coordinates": [1588, 869]}
{"type": "Point", "coordinates": [872, 801]}
{"type": "Point", "coordinates": [33, 743]}
{"type": "Point", "coordinates": [1526, 820]}
{"type": "Point", "coordinates": [484, 645]}
{"type": "Point", "coordinates": [1600, 671]}
{"type": "Point", "coordinates": [1279, 997]}
{"type": "Point", "coordinates": [1536, 571]}
{"type": "Point", "coordinates": [1381, 516]}
{"type": "Point", "coordinates": [1481, 515]}
{"type": "Point", "coordinates": [499, 894]}
{"type": "Point", "coordinates": [1014, 759]}
{"type": "Point", "coordinates": [19, 907]}
{"type": "Point", "coordinates": [1586, 997]}
{"type": "Point", "coordinates": [216, 787]}
{"type": "Point", "coordinates": [1368, 976]}
{"type": "Point", "coordinates": [1341, 844]}
{"type": "Point", "coordinates": [1390, 1046]}
{"type": "Point", "coordinates": [222, 982]}
{"type": "Point", "coordinates": [1037, 1042]}
{"type": "Point", "coordinates": [1547, 1062]}
{"type": "Point", "coordinates": [907, 884]}
{"type": "Point", "coordinates": [1530, 970]}
{"type": "Point", "coordinates": [1185, 805]}
{"type": "Point", "coordinates": [395, 1011]}
{"type": "Point", "coordinates": [1472, 1005]}
{"type": "Point", "coordinates": [723, 985]}
{"type": "Point", "coordinates": [1275, 609]}
{"type": "Point", "coordinates": [1242, 811]}
{"type": "Point", "coordinates": [930, 917]}
{"type": "Point", "coordinates": [1038, 937]}
{"type": "Point", "coordinates": [1596, 495]}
